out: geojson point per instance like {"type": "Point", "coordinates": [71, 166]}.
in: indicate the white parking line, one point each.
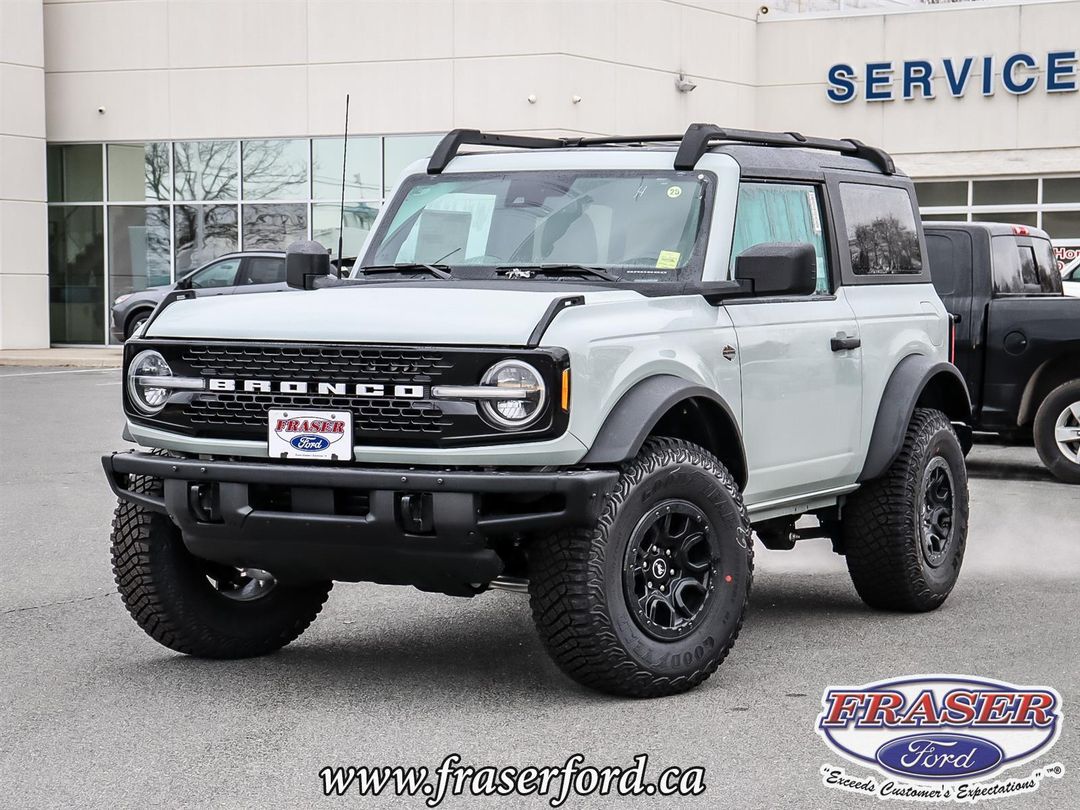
{"type": "Point", "coordinates": [65, 371]}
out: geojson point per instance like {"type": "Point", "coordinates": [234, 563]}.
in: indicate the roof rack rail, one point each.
{"type": "Point", "coordinates": [699, 137]}
{"type": "Point", "coordinates": [456, 138]}
{"type": "Point", "coordinates": [694, 143]}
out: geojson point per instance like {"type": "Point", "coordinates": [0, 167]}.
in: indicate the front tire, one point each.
{"type": "Point", "coordinates": [649, 601]}
{"type": "Point", "coordinates": [196, 607]}
{"type": "Point", "coordinates": [1057, 432]}
{"type": "Point", "coordinates": [904, 534]}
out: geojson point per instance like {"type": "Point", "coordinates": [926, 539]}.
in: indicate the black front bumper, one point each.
{"type": "Point", "coordinates": [437, 530]}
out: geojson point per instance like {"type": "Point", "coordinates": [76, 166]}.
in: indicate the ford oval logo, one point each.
{"type": "Point", "coordinates": [939, 756]}
{"type": "Point", "coordinates": [308, 443]}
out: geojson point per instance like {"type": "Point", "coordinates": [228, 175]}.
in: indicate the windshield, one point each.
{"type": "Point", "coordinates": [635, 225]}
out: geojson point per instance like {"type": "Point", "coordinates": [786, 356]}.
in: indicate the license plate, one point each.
{"type": "Point", "coordinates": [310, 434]}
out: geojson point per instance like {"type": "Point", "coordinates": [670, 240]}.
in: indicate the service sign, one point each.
{"type": "Point", "coordinates": [325, 435]}
{"type": "Point", "coordinates": [941, 737]}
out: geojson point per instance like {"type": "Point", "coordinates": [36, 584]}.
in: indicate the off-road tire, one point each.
{"type": "Point", "coordinates": [881, 524]}
{"type": "Point", "coordinates": [1062, 468]}
{"type": "Point", "coordinates": [166, 591]}
{"type": "Point", "coordinates": [576, 579]}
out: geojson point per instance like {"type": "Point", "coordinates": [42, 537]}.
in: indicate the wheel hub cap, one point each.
{"type": "Point", "coordinates": [936, 510]}
{"type": "Point", "coordinates": [1067, 432]}
{"type": "Point", "coordinates": [670, 570]}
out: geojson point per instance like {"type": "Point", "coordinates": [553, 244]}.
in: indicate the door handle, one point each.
{"type": "Point", "coordinates": [843, 343]}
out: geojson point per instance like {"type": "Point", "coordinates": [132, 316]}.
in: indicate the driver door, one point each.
{"type": "Point", "coordinates": [802, 393]}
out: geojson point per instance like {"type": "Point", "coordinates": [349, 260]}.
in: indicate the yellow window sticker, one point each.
{"type": "Point", "coordinates": [674, 191]}
{"type": "Point", "coordinates": [668, 259]}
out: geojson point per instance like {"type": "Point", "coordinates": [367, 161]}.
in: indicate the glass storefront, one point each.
{"type": "Point", "coordinates": [1050, 203]}
{"type": "Point", "coordinates": [127, 216]}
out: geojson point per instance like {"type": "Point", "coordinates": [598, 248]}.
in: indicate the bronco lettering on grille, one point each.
{"type": "Point", "coordinates": [321, 388]}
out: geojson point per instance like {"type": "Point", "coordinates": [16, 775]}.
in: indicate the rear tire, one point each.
{"type": "Point", "coordinates": [904, 534]}
{"type": "Point", "coordinates": [169, 593]}
{"type": "Point", "coordinates": [649, 601]}
{"type": "Point", "coordinates": [1057, 432]}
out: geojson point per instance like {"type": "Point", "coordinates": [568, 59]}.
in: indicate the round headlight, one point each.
{"type": "Point", "coordinates": [148, 397]}
{"type": "Point", "coordinates": [526, 395]}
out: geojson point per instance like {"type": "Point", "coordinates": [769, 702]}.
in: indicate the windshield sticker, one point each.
{"type": "Point", "coordinates": [668, 259]}
{"type": "Point", "coordinates": [674, 191]}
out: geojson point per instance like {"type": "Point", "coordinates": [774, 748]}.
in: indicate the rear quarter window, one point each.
{"type": "Point", "coordinates": [881, 231]}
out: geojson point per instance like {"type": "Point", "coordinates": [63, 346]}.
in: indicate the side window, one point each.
{"type": "Point", "coordinates": [780, 212]}
{"type": "Point", "coordinates": [264, 270]}
{"type": "Point", "coordinates": [1049, 276]}
{"type": "Point", "coordinates": [942, 259]}
{"type": "Point", "coordinates": [881, 230]}
{"type": "Point", "coordinates": [1006, 266]}
{"type": "Point", "coordinates": [221, 274]}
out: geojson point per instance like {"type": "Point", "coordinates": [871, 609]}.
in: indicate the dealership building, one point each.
{"type": "Point", "coordinates": [141, 138]}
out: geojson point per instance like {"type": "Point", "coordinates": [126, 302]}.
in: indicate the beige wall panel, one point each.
{"type": "Point", "coordinates": [973, 122]}
{"type": "Point", "coordinates": [347, 31]}
{"type": "Point", "coordinates": [936, 34]}
{"type": "Point", "coordinates": [506, 27]}
{"type": "Point", "coordinates": [212, 33]}
{"type": "Point", "coordinates": [22, 100]}
{"type": "Point", "coordinates": [493, 93]}
{"type": "Point", "coordinates": [22, 238]}
{"type": "Point", "coordinates": [21, 39]}
{"type": "Point", "coordinates": [24, 311]}
{"type": "Point", "coordinates": [649, 33]}
{"type": "Point", "coordinates": [588, 28]}
{"type": "Point", "coordinates": [107, 35]}
{"type": "Point", "coordinates": [385, 97]}
{"type": "Point", "coordinates": [718, 46]}
{"type": "Point", "coordinates": [239, 102]}
{"type": "Point", "coordinates": [136, 107]}
{"type": "Point", "coordinates": [647, 102]}
{"type": "Point", "coordinates": [801, 51]}
{"type": "Point", "coordinates": [22, 167]}
{"type": "Point", "coordinates": [805, 110]}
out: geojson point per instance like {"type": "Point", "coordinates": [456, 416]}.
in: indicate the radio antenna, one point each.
{"type": "Point", "coordinates": [341, 218]}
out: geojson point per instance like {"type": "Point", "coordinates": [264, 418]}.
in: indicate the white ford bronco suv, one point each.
{"type": "Point", "coordinates": [589, 369]}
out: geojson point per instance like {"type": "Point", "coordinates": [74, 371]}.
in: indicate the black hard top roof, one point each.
{"type": "Point", "coordinates": [992, 228]}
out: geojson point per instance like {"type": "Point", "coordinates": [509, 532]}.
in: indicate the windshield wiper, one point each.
{"type": "Point", "coordinates": [557, 269]}
{"type": "Point", "coordinates": [437, 270]}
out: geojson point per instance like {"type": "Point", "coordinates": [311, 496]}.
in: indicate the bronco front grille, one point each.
{"type": "Point", "coordinates": [419, 420]}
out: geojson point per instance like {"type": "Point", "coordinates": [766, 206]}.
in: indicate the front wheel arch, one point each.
{"type": "Point", "coordinates": [672, 407]}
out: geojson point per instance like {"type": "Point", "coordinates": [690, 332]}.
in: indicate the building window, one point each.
{"type": "Point", "coordinates": [127, 216]}
{"type": "Point", "coordinates": [363, 172]}
{"type": "Point", "coordinates": [274, 227]}
{"type": "Point", "coordinates": [74, 173]}
{"type": "Point", "coordinates": [275, 170]}
{"type": "Point", "coordinates": [206, 170]}
{"type": "Point", "coordinates": [1050, 203]}
{"type": "Point", "coordinates": [139, 172]}
{"type": "Point", "coordinates": [139, 248]}
{"type": "Point", "coordinates": [76, 274]}
{"type": "Point", "coordinates": [203, 232]}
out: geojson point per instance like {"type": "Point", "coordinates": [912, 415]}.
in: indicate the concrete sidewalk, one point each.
{"type": "Point", "coordinates": [76, 357]}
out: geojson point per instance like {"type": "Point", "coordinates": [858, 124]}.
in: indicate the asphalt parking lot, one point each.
{"type": "Point", "coordinates": [93, 713]}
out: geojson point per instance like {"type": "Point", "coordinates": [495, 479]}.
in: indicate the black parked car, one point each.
{"type": "Point", "coordinates": [244, 272]}
{"type": "Point", "coordinates": [1016, 336]}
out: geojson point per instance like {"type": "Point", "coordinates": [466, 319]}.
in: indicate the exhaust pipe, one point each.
{"type": "Point", "coordinates": [512, 584]}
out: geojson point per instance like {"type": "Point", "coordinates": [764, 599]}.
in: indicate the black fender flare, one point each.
{"type": "Point", "coordinates": [634, 416]}
{"type": "Point", "coordinates": [913, 377]}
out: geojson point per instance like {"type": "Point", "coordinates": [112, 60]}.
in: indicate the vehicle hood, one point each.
{"type": "Point", "coordinates": [412, 312]}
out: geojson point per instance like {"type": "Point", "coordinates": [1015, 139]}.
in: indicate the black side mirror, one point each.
{"type": "Point", "coordinates": [305, 262]}
{"type": "Point", "coordinates": [779, 268]}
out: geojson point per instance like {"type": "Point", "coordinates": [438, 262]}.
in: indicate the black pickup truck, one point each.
{"type": "Point", "coordinates": [1016, 337]}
